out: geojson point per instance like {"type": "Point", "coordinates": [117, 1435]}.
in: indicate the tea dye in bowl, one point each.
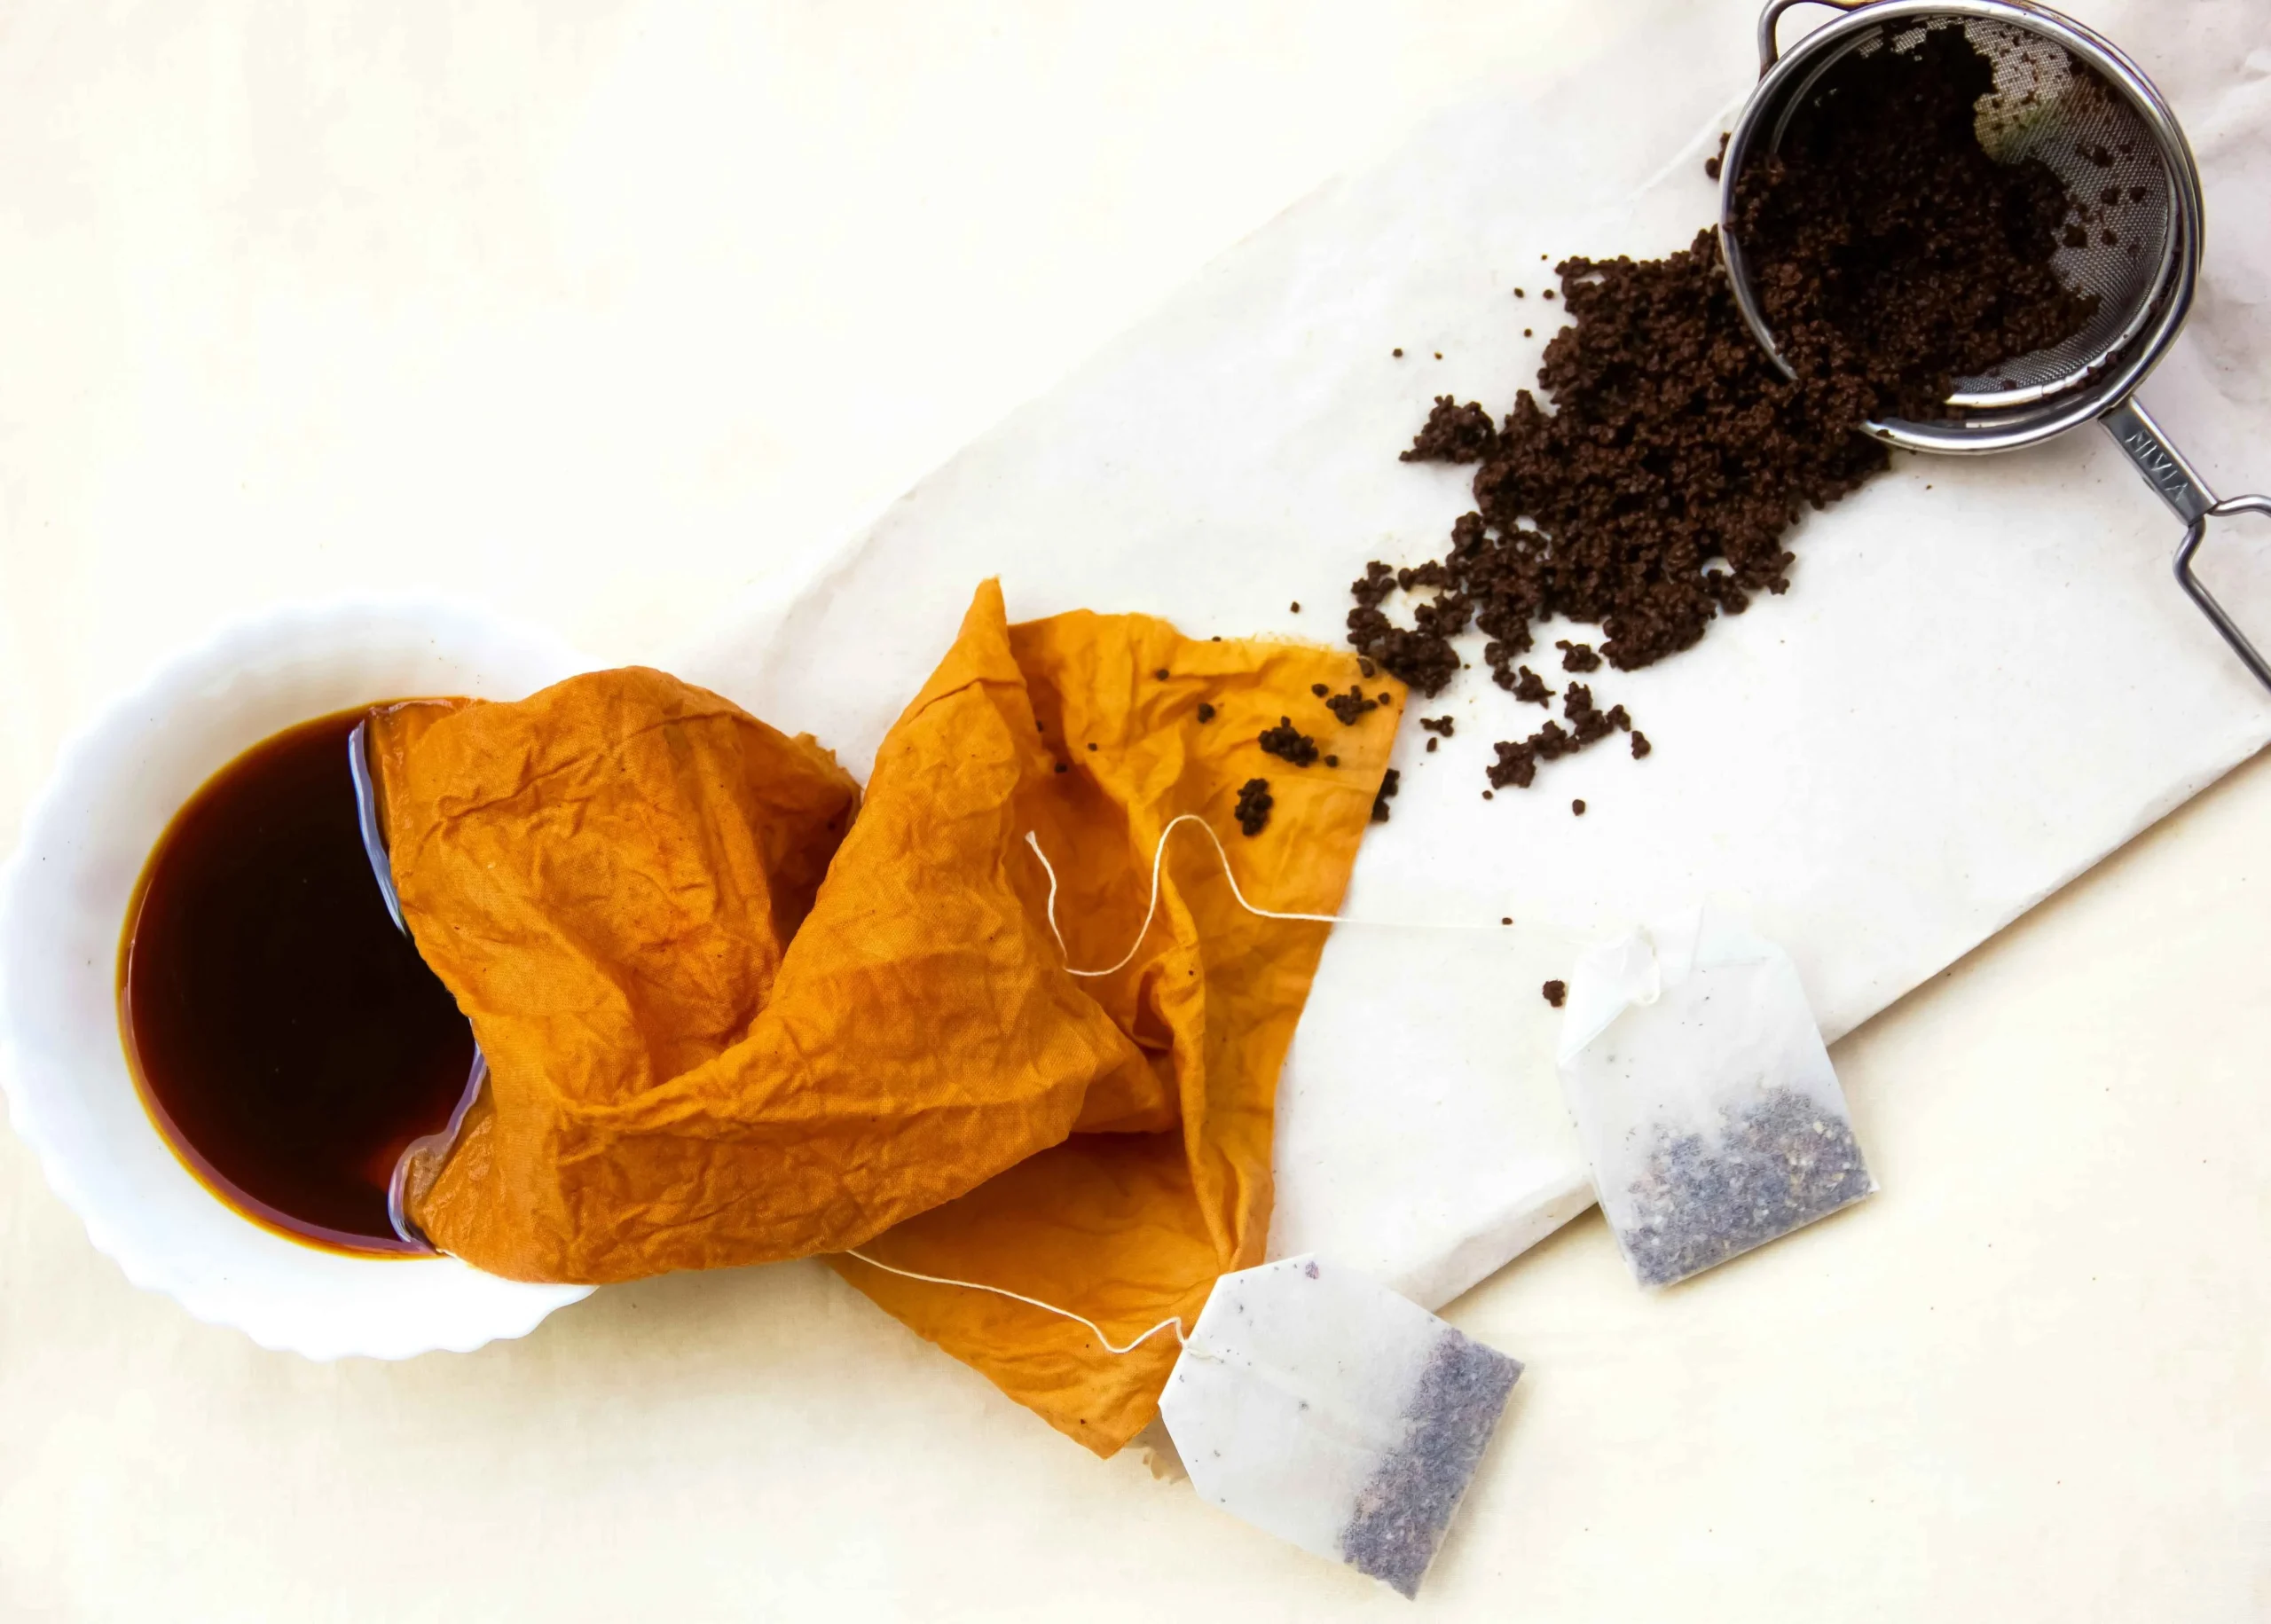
{"type": "Point", "coordinates": [286, 1038]}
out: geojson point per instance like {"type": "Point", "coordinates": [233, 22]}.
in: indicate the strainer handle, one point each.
{"type": "Point", "coordinates": [2194, 533]}
{"type": "Point", "coordinates": [2180, 486]}
{"type": "Point", "coordinates": [1769, 50]}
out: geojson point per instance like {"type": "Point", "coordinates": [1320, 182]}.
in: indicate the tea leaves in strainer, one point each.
{"type": "Point", "coordinates": [2069, 98]}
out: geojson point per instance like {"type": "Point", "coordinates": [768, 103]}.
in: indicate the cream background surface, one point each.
{"type": "Point", "coordinates": [600, 314]}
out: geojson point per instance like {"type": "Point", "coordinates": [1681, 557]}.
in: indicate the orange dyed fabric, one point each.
{"type": "Point", "coordinates": [728, 1021]}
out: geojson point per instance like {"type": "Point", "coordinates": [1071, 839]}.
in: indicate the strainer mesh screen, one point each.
{"type": "Point", "coordinates": [2045, 105]}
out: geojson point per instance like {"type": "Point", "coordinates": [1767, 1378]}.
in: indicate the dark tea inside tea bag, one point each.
{"type": "Point", "coordinates": [1317, 1404]}
{"type": "Point", "coordinates": [1703, 1095]}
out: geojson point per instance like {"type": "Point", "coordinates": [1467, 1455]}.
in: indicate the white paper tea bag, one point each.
{"type": "Point", "coordinates": [1703, 1095]}
{"type": "Point", "coordinates": [1320, 1406]}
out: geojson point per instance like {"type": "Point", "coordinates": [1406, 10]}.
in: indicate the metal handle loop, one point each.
{"type": "Point", "coordinates": [2194, 533]}
{"type": "Point", "coordinates": [2176, 482]}
{"type": "Point", "coordinates": [1769, 50]}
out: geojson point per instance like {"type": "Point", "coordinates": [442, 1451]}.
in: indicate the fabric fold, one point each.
{"type": "Point", "coordinates": [728, 1021]}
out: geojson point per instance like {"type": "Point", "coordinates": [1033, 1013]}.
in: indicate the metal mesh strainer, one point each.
{"type": "Point", "coordinates": [2067, 97]}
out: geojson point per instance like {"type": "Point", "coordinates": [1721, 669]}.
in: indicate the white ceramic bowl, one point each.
{"type": "Point", "coordinates": [63, 901]}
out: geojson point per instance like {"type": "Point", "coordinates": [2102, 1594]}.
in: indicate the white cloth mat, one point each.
{"type": "Point", "coordinates": [1983, 681]}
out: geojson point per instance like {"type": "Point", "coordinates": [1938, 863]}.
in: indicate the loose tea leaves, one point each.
{"type": "Point", "coordinates": [1350, 707]}
{"type": "Point", "coordinates": [1288, 742]}
{"type": "Point", "coordinates": [1654, 495]}
{"type": "Point", "coordinates": [1703, 1096]}
{"type": "Point", "coordinates": [1253, 810]}
{"type": "Point", "coordinates": [1891, 247]}
{"type": "Point", "coordinates": [1517, 762]}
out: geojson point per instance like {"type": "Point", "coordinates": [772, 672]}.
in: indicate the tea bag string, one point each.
{"type": "Point", "coordinates": [1152, 909]}
{"type": "Point", "coordinates": [1174, 1323]}
{"type": "Point", "coordinates": [1150, 912]}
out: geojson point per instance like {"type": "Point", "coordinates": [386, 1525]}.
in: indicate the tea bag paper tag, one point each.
{"type": "Point", "coordinates": [1703, 1095]}
{"type": "Point", "coordinates": [1318, 1404]}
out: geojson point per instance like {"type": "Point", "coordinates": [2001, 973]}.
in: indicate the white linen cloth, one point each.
{"type": "Point", "coordinates": [1983, 681]}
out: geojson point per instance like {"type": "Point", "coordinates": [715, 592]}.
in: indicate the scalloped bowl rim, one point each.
{"type": "Point", "coordinates": [445, 1304]}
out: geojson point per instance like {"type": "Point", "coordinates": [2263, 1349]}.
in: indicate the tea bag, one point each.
{"type": "Point", "coordinates": [1320, 1406]}
{"type": "Point", "coordinates": [1703, 1095]}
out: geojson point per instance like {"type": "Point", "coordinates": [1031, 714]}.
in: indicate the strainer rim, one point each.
{"type": "Point", "coordinates": [2170, 298]}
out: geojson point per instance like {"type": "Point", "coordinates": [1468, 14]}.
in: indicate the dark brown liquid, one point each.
{"type": "Point", "coordinates": [286, 1035]}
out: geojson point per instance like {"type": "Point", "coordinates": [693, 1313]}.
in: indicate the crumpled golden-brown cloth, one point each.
{"type": "Point", "coordinates": [736, 1012]}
